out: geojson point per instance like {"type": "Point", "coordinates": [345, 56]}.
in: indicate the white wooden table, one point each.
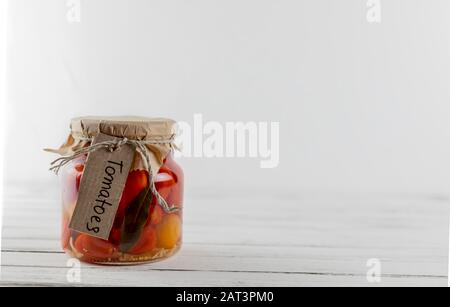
{"type": "Point", "coordinates": [252, 238]}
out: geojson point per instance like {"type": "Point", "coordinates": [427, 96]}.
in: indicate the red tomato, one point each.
{"type": "Point", "coordinates": [164, 185]}
{"type": "Point", "coordinates": [92, 247]}
{"type": "Point", "coordinates": [114, 236]}
{"type": "Point", "coordinates": [176, 195]}
{"type": "Point", "coordinates": [79, 167]}
{"type": "Point", "coordinates": [146, 243]}
{"type": "Point", "coordinates": [78, 181]}
{"type": "Point", "coordinates": [166, 182]}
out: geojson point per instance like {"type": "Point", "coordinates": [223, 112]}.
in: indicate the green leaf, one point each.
{"type": "Point", "coordinates": [136, 215]}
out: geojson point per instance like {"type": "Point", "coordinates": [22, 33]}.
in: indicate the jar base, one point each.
{"type": "Point", "coordinates": [128, 259]}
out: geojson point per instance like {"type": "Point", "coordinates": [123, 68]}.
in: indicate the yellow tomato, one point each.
{"type": "Point", "coordinates": [169, 231]}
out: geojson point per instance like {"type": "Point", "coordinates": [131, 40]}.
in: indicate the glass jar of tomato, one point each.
{"type": "Point", "coordinates": [160, 233]}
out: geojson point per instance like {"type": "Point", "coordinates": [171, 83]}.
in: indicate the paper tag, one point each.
{"type": "Point", "coordinates": [101, 187]}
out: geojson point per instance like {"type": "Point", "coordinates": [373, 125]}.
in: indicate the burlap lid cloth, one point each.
{"type": "Point", "coordinates": [152, 137]}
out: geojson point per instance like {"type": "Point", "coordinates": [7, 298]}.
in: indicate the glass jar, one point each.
{"type": "Point", "coordinates": [161, 233]}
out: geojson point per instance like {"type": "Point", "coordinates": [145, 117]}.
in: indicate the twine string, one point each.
{"type": "Point", "coordinates": [114, 145]}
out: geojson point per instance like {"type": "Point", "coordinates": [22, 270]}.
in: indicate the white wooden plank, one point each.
{"type": "Point", "coordinates": [266, 259]}
{"type": "Point", "coordinates": [275, 238]}
{"type": "Point", "coordinates": [113, 276]}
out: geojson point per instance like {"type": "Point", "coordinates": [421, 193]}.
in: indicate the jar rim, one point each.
{"type": "Point", "coordinates": [131, 127]}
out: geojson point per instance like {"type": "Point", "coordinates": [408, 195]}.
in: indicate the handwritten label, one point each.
{"type": "Point", "coordinates": [101, 188]}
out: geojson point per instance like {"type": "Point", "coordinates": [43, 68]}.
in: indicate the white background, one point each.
{"type": "Point", "coordinates": [362, 107]}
